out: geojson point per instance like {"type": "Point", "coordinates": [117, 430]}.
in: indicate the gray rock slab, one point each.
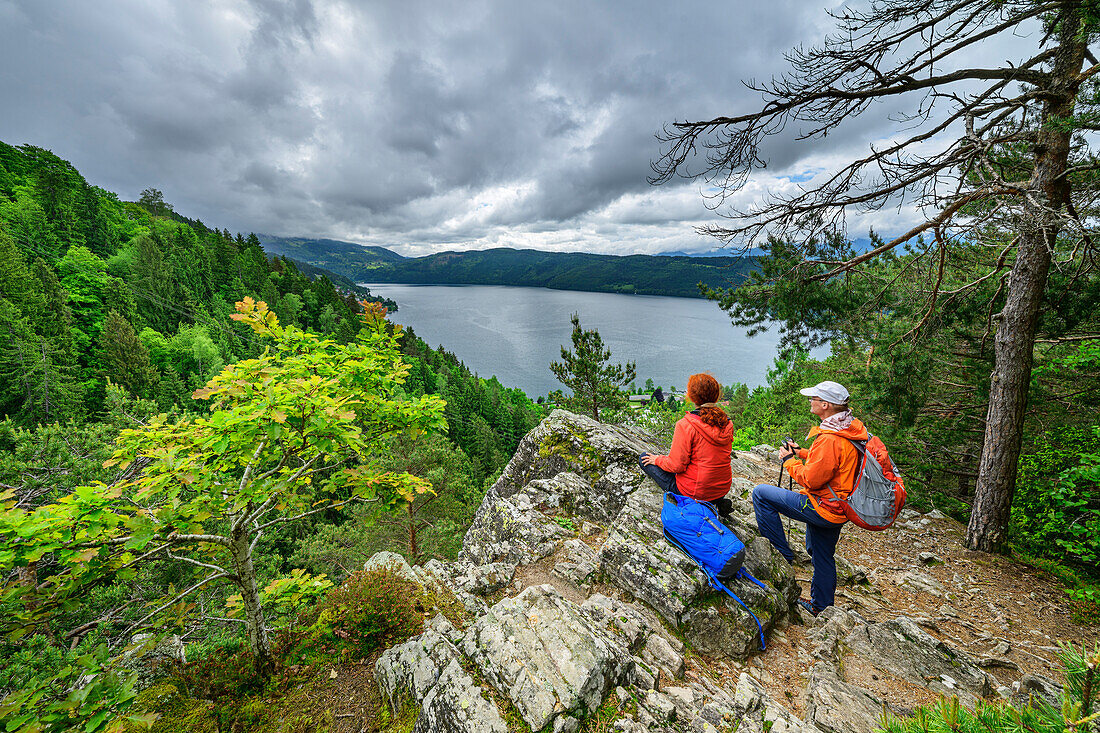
{"type": "Point", "coordinates": [623, 618]}
{"type": "Point", "coordinates": [920, 582]}
{"type": "Point", "coordinates": [484, 579]}
{"type": "Point", "coordinates": [659, 654]}
{"type": "Point", "coordinates": [757, 712]}
{"type": "Point", "coordinates": [605, 455]}
{"type": "Point", "coordinates": [449, 578]}
{"type": "Point", "coordinates": [510, 530]}
{"type": "Point", "coordinates": [901, 647]}
{"type": "Point", "coordinates": [412, 669]}
{"type": "Point", "coordinates": [543, 653]}
{"type": "Point", "coordinates": [838, 707]}
{"type": "Point", "coordinates": [578, 564]}
{"type": "Point", "coordinates": [456, 705]}
{"type": "Point", "coordinates": [428, 671]}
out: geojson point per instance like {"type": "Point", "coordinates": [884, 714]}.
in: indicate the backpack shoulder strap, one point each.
{"type": "Point", "coordinates": [861, 463]}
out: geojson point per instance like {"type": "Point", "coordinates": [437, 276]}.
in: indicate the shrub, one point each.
{"type": "Point", "coordinates": [1056, 510]}
{"type": "Point", "coordinates": [373, 609]}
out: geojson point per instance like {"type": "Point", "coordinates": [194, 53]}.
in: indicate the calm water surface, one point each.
{"type": "Point", "coordinates": [515, 333]}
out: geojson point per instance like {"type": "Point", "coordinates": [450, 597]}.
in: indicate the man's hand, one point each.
{"type": "Point", "coordinates": [649, 459]}
{"type": "Point", "coordinates": [788, 451]}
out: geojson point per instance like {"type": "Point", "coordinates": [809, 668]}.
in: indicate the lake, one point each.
{"type": "Point", "coordinates": [514, 333]}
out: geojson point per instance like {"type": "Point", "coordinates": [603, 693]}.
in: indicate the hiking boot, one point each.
{"type": "Point", "coordinates": [809, 607]}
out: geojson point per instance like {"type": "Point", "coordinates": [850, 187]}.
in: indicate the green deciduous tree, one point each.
{"type": "Point", "coordinates": [152, 200]}
{"type": "Point", "coordinates": [596, 383]}
{"type": "Point", "coordinates": [290, 435]}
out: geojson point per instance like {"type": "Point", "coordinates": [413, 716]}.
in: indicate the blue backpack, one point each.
{"type": "Point", "coordinates": [693, 528]}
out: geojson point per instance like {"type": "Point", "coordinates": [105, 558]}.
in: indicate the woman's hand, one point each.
{"type": "Point", "coordinates": [649, 459]}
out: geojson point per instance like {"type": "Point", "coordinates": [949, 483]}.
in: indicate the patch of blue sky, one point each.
{"type": "Point", "coordinates": [804, 176]}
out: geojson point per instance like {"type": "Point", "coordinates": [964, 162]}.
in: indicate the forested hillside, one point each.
{"type": "Point", "coordinates": [632, 274]}
{"type": "Point", "coordinates": [114, 318]}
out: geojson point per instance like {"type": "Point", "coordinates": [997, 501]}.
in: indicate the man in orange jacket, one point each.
{"type": "Point", "coordinates": [831, 461]}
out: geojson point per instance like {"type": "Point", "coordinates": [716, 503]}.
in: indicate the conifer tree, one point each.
{"type": "Point", "coordinates": [596, 383]}
{"type": "Point", "coordinates": [124, 358]}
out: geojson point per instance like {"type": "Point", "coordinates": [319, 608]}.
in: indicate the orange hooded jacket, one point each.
{"type": "Point", "coordinates": [830, 461]}
{"type": "Point", "coordinates": [700, 458]}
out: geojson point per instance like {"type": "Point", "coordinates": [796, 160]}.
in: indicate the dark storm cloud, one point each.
{"type": "Point", "coordinates": [416, 124]}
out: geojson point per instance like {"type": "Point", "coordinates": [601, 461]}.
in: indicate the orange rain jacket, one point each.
{"type": "Point", "coordinates": [700, 458]}
{"type": "Point", "coordinates": [830, 461]}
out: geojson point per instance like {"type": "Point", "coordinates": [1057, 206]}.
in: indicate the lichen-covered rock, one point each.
{"type": "Point", "coordinates": [903, 648]}
{"type": "Point", "coordinates": [623, 618]}
{"type": "Point", "coordinates": [411, 669]}
{"type": "Point", "coordinates": [540, 651]}
{"type": "Point", "coordinates": [578, 564]}
{"type": "Point", "coordinates": [456, 704]}
{"type": "Point", "coordinates": [573, 495]}
{"type": "Point", "coordinates": [721, 627]}
{"type": "Point", "coordinates": [484, 579]}
{"type": "Point", "coordinates": [605, 455]}
{"type": "Point", "coordinates": [659, 654]}
{"type": "Point", "coordinates": [511, 530]}
{"type": "Point", "coordinates": [428, 670]}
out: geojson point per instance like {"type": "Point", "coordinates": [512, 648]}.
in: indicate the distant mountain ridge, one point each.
{"type": "Point", "coordinates": [677, 275]}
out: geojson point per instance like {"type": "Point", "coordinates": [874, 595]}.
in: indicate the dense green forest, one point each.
{"type": "Point", "coordinates": [113, 317]}
{"type": "Point", "coordinates": [632, 274]}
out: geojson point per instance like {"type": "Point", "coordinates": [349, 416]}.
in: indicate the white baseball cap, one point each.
{"type": "Point", "coordinates": [828, 391]}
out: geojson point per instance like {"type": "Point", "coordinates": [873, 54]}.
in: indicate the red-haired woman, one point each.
{"type": "Point", "coordinates": [698, 464]}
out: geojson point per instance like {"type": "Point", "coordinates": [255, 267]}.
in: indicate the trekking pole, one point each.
{"type": "Point", "coordinates": [790, 483]}
{"type": "Point", "coordinates": [786, 442]}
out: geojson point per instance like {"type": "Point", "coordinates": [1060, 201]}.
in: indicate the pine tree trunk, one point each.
{"type": "Point", "coordinates": [1008, 390]}
{"type": "Point", "coordinates": [1015, 337]}
{"type": "Point", "coordinates": [258, 641]}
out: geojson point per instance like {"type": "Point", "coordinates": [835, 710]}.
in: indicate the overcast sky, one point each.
{"type": "Point", "coordinates": [415, 125]}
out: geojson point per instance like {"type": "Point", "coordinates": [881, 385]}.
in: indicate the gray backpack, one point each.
{"type": "Point", "coordinates": [878, 494]}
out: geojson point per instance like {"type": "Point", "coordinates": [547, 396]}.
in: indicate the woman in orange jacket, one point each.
{"type": "Point", "coordinates": [698, 464]}
{"type": "Point", "coordinates": [831, 461]}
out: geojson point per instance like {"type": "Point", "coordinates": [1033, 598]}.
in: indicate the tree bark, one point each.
{"type": "Point", "coordinates": [1015, 338]}
{"type": "Point", "coordinates": [258, 640]}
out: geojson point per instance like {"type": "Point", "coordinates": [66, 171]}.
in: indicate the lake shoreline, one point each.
{"type": "Point", "coordinates": [514, 332]}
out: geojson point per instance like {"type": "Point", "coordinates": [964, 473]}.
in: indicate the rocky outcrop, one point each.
{"type": "Point", "coordinates": [572, 470]}
{"type": "Point", "coordinates": [574, 603]}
